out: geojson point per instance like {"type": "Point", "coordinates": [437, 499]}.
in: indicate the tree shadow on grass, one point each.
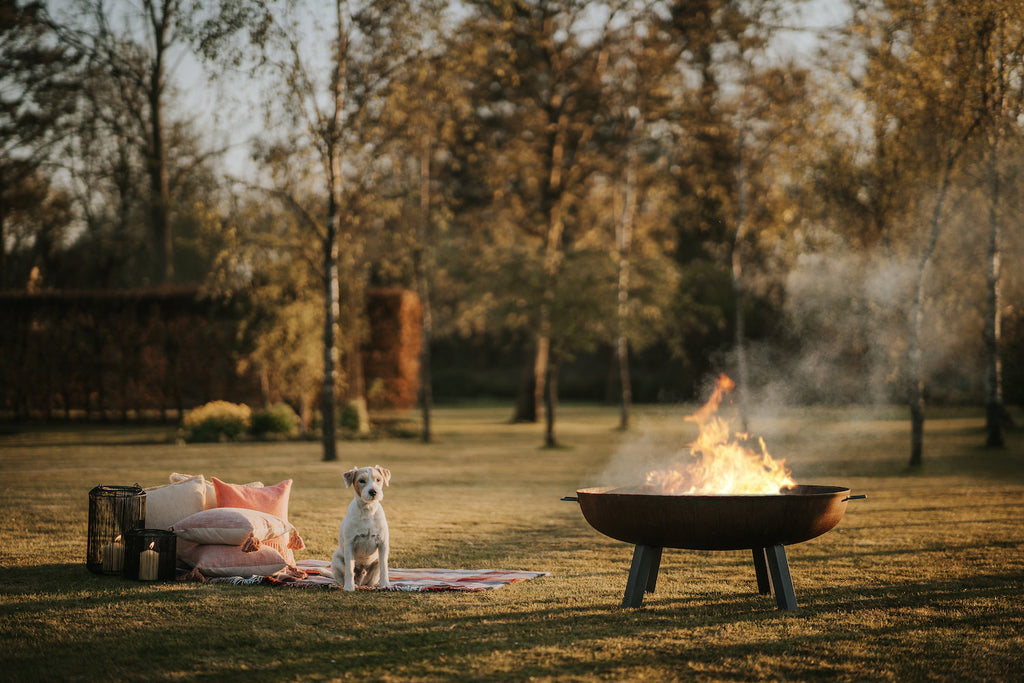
{"type": "Point", "coordinates": [498, 635]}
{"type": "Point", "coordinates": [554, 639]}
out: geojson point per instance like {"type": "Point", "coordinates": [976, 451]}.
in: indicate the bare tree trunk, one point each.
{"type": "Point", "coordinates": [552, 266]}
{"type": "Point", "coordinates": [624, 238]}
{"type": "Point", "coordinates": [916, 398]}
{"type": "Point", "coordinates": [626, 404]}
{"type": "Point", "coordinates": [526, 407]}
{"type": "Point", "coordinates": [551, 402]}
{"type": "Point", "coordinates": [552, 255]}
{"type": "Point", "coordinates": [994, 409]}
{"type": "Point", "coordinates": [739, 294]}
{"type": "Point", "coordinates": [543, 365]}
{"type": "Point", "coordinates": [542, 359]}
{"type": "Point", "coordinates": [159, 197]}
{"type": "Point", "coordinates": [156, 154]}
{"type": "Point", "coordinates": [3, 239]}
{"type": "Point", "coordinates": [423, 280]}
{"type": "Point", "coordinates": [331, 314]}
{"type": "Point", "coordinates": [332, 298]}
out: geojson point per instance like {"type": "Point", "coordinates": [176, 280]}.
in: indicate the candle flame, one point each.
{"type": "Point", "coordinates": [721, 463]}
{"type": "Point", "coordinates": [152, 544]}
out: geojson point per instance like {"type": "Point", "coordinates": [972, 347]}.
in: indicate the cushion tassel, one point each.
{"type": "Point", "coordinates": [295, 542]}
{"type": "Point", "coordinates": [251, 544]}
{"type": "Point", "coordinates": [194, 575]}
{"type": "Point", "coordinates": [291, 573]}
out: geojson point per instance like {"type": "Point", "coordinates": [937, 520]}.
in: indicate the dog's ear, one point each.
{"type": "Point", "coordinates": [350, 477]}
{"type": "Point", "coordinates": [384, 473]}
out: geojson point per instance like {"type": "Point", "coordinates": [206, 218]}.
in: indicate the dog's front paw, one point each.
{"type": "Point", "coordinates": [349, 586]}
{"type": "Point", "coordinates": [384, 583]}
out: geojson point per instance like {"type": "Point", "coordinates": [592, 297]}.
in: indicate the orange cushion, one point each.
{"type": "Point", "coordinates": [270, 499]}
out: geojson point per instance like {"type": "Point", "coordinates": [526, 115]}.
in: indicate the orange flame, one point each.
{"type": "Point", "coordinates": [723, 464]}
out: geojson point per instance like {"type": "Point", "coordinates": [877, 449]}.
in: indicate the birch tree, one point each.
{"type": "Point", "coordinates": [927, 118]}
{"type": "Point", "coordinates": [1000, 29]}
{"type": "Point", "coordinates": [327, 66]}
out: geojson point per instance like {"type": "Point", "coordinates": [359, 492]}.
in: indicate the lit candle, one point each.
{"type": "Point", "coordinates": [149, 564]}
{"type": "Point", "coordinates": [113, 557]}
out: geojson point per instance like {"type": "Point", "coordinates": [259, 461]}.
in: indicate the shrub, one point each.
{"type": "Point", "coordinates": [276, 420]}
{"type": "Point", "coordinates": [217, 421]}
{"type": "Point", "coordinates": [348, 417]}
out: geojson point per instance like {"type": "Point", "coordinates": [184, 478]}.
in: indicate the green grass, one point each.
{"type": "Point", "coordinates": [923, 580]}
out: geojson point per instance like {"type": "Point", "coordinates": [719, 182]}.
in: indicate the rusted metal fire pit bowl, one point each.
{"type": "Point", "coordinates": [709, 522]}
{"type": "Point", "coordinates": [764, 524]}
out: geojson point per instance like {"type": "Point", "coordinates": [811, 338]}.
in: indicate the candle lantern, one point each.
{"type": "Point", "coordinates": [113, 512]}
{"type": "Point", "coordinates": [150, 554]}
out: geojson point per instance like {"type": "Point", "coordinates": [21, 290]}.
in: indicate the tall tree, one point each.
{"type": "Point", "coordinates": [37, 97]}
{"type": "Point", "coordinates": [727, 121]}
{"type": "Point", "coordinates": [927, 119]}
{"type": "Point", "coordinates": [633, 164]}
{"type": "Point", "coordinates": [428, 115]}
{"type": "Point", "coordinates": [136, 46]}
{"type": "Point", "coordinates": [542, 89]}
{"type": "Point", "coordinates": [329, 78]}
{"type": "Point", "coordinates": [1000, 27]}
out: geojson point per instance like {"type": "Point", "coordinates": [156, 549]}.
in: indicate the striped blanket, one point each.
{"type": "Point", "coordinates": [310, 576]}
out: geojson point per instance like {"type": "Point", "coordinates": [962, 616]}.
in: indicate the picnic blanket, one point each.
{"type": "Point", "coordinates": [424, 579]}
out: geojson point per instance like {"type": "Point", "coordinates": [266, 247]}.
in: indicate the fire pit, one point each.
{"type": "Point", "coordinates": [717, 495]}
{"type": "Point", "coordinates": [763, 524]}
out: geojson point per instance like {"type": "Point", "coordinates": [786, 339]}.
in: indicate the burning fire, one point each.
{"type": "Point", "coordinates": [723, 464]}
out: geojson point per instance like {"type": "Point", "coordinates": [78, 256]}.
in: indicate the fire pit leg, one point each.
{"type": "Point", "coordinates": [643, 574]}
{"type": "Point", "coordinates": [782, 582]}
{"type": "Point", "coordinates": [764, 586]}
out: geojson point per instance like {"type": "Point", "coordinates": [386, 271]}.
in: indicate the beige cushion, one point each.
{"type": "Point", "coordinates": [230, 526]}
{"type": "Point", "coordinates": [170, 503]}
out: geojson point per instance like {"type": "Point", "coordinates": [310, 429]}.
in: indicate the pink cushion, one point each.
{"type": "Point", "coordinates": [270, 499]}
{"type": "Point", "coordinates": [230, 526]}
{"type": "Point", "coordinates": [226, 560]}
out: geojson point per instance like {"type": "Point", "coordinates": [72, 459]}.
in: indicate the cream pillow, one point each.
{"type": "Point", "coordinates": [168, 504]}
{"type": "Point", "coordinates": [231, 526]}
{"type": "Point", "coordinates": [211, 492]}
{"type": "Point", "coordinates": [227, 560]}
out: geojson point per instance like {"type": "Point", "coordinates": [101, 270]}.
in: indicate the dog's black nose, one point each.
{"type": "Point", "coordinates": [373, 493]}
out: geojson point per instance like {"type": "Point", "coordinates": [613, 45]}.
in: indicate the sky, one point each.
{"type": "Point", "coordinates": [229, 113]}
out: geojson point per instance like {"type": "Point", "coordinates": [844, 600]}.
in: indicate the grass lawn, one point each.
{"type": "Point", "coordinates": [923, 580]}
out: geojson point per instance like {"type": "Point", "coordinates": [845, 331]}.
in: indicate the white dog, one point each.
{"type": "Point", "coordinates": [363, 544]}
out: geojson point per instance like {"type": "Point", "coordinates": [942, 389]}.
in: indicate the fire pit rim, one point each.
{"type": "Point", "coordinates": [650, 491]}
{"type": "Point", "coordinates": [643, 516]}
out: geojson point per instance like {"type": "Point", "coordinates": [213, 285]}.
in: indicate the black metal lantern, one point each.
{"type": "Point", "coordinates": [113, 511]}
{"type": "Point", "coordinates": [150, 554]}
